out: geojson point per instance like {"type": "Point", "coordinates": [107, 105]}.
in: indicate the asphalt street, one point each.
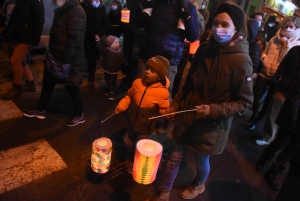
{"type": "Point", "coordinates": [46, 160]}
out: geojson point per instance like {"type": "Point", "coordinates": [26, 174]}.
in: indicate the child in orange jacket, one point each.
{"type": "Point", "coordinates": [148, 97]}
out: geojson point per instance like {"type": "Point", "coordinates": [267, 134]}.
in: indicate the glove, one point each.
{"type": "Point", "coordinates": [183, 13]}
{"type": "Point", "coordinates": [170, 117]}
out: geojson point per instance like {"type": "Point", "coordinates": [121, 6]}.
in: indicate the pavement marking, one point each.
{"type": "Point", "coordinates": [21, 165]}
{"type": "Point", "coordinates": [9, 110]}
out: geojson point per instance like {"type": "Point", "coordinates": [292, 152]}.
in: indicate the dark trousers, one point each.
{"type": "Point", "coordinates": [258, 91]}
{"type": "Point", "coordinates": [287, 141]}
{"type": "Point", "coordinates": [92, 69]}
{"type": "Point", "coordinates": [47, 90]}
{"type": "Point", "coordinates": [111, 81]}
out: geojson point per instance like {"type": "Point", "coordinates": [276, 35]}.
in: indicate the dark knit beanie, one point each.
{"type": "Point", "coordinates": [110, 40]}
{"type": "Point", "coordinates": [235, 12]}
{"type": "Point", "coordinates": [272, 19]}
{"type": "Point", "coordinates": [160, 64]}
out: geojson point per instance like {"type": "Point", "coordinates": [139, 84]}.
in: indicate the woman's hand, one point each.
{"type": "Point", "coordinates": [97, 38]}
{"type": "Point", "coordinates": [203, 110]}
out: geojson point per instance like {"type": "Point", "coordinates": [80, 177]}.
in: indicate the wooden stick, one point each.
{"type": "Point", "coordinates": [108, 118]}
{"type": "Point", "coordinates": [172, 113]}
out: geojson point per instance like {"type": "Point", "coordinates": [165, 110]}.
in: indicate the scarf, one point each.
{"type": "Point", "coordinates": [286, 40]}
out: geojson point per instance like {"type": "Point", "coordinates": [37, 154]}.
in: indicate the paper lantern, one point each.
{"type": "Point", "coordinates": [194, 46]}
{"type": "Point", "coordinates": [101, 155]}
{"type": "Point", "coordinates": [146, 161]}
{"type": "Point", "coordinates": [125, 16]}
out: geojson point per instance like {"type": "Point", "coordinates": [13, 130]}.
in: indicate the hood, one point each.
{"type": "Point", "coordinates": [252, 26]}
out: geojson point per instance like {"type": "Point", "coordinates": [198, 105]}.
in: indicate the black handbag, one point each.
{"type": "Point", "coordinates": [55, 67]}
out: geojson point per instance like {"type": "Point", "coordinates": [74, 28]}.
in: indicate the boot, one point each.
{"type": "Point", "coordinates": [272, 175]}
{"type": "Point", "coordinates": [193, 190]}
{"type": "Point", "coordinates": [162, 195]}
{"type": "Point", "coordinates": [263, 161]}
{"type": "Point", "coordinates": [29, 86]}
{"type": "Point", "coordinates": [14, 92]}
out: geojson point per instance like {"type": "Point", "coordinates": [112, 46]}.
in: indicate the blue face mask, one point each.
{"type": "Point", "coordinates": [222, 35]}
{"type": "Point", "coordinates": [114, 7]}
{"type": "Point", "coordinates": [95, 4]}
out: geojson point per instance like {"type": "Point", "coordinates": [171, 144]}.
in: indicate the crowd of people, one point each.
{"type": "Point", "coordinates": [238, 67]}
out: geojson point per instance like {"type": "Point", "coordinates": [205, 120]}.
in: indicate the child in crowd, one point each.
{"type": "Point", "coordinates": [112, 62]}
{"type": "Point", "coordinates": [148, 97]}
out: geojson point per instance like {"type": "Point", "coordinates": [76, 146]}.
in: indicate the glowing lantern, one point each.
{"type": "Point", "coordinates": [125, 16]}
{"type": "Point", "coordinates": [194, 46]}
{"type": "Point", "coordinates": [101, 155]}
{"type": "Point", "coordinates": [146, 161]}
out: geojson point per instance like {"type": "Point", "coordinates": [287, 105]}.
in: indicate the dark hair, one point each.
{"type": "Point", "coordinates": [256, 13]}
{"type": "Point", "coordinates": [204, 1]}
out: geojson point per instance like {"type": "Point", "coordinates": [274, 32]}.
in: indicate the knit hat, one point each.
{"type": "Point", "coordinates": [160, 64]}
{"type": "Point", "coordinates": [235, 12]}
{"type": "Point", "coordinates": [272, 19]}
{"type": "Point", "coordinates": [110, 40]}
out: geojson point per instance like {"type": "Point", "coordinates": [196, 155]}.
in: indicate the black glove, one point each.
{"type": "Point", "coordinates": [183, 13]}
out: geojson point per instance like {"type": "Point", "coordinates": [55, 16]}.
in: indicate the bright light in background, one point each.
{"type": "Point", "coordinates": [288, 4]}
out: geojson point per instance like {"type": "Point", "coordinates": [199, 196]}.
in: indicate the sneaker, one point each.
{"type": "Point", "coordinates": [74, 121]}
{"type": "Point", "coordinates": [262, 142]}
{"type": "Point", "coordinates": [193, 190]}
{"type": "Point", "coordinates": [110, 96]}
{"type": "Point", "coordinates": [35, 113]}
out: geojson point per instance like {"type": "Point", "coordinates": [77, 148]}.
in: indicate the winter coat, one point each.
{"type": "Point", "coordinates": [143, 102]}
{"type": "Point", "coordinates": [201, 25]}
{"type": "Point", "coordinates": [97, 22]}
{"type": "Point", "coordinates": [222, 78]}
{"type": "Point", "coordinates": [67, 38]}
{"type": "Point", "coordinates": [112, 60]}
{"type": "Point", "coordinates": [271, 61]}
{"type": "Point", "coordinates": [289, 72]}
{"type": "Point", "coordinates": [163, 37]}
{"type": "Point", "coordinates": [28, 21]}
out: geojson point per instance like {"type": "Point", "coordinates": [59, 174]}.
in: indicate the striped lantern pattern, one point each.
{"type": "Point", "coordinates": [146, 161]}
{"type": "Point", "coordinates": [125, 16]}
{"type": "Point", "coordinates": [101, 155]}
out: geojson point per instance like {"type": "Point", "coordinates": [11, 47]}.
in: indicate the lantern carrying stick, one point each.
{"type": "Point", "coordinates": [108, 117]}
{"type": "Point", "coordinates": [172, 113]}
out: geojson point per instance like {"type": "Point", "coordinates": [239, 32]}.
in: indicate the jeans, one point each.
{"type": "Point", "coordinates": [111, 81]}
{"type": "Point", "coordinates": [92, 63]}
{"type": "Point", "coordinates": [173, 163]}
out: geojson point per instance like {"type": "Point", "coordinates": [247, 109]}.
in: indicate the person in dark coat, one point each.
{"type": "Point", "coordinates": [114, 16]}
{"type": "Point", "coordinates": [96, 27]}
{"type": "Point", "coordinates": [67, 46]}
{"type": "Point", "coordinates": [254, 49]}
{"type": "Point", "coordinates": [288, 120]}
{"type": "Point", "coordinates": [270, 28]}
{"type": "Point", "coordinates": [218, 86]}
{"type": "Point", "coordinates": [27, 21]}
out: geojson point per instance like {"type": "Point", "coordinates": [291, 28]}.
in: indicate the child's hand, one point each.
{"type": "Point", "coordinates": [172, 116]}
{"type": "Point", "coordinates": [117, 111]}
{"type": "Point", "coordinates": [97, 38]}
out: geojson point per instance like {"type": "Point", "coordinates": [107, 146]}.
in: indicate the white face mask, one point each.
{"type": "Point", "coordinates": [95, 4]}
{"type": "Point", "coordinates": [271, 24]}
{"type": "Point", "coordinates": [114, 7]}
{"type": "Point", "coordinates": [259, 23]}
{"type": "Point", "coordinates": [203, 7]}
{"type": "Point", "coordinates": [222, 35]}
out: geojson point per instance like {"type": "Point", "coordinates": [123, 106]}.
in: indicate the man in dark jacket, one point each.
{"type": "Point", "coordinates": [66, 45]}
{"type": "Point", "coordinates": [96, 27]}
{"type": "Point", "coordinates": [27, 21]}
